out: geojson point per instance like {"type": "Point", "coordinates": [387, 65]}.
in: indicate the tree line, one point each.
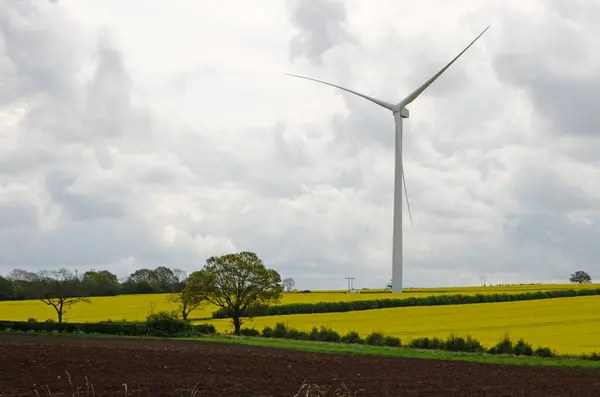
{"type": "Point", "coordinates": [236, 283]}
{"type": "Point", "coordinates": [22, 284]}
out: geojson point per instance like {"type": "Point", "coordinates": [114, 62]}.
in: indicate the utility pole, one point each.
{"type": "Point", "coordinates": [350, 282]}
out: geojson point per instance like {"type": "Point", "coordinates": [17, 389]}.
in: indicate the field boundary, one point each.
{"type": "Point", "coordinates": [387, 303]}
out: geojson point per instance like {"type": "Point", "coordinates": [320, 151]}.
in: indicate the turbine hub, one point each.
{"type": "Point", "coordinates": [404, 113]}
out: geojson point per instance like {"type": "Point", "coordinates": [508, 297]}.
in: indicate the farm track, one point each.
{"type": "Point", "coordinates": [172, 368]}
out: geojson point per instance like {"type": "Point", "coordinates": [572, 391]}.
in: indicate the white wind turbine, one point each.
{"type": "Point", "coordinates": [399, 111]}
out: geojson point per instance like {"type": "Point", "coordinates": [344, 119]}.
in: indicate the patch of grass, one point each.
{"type": "Point", "coordinates": [335, 348]}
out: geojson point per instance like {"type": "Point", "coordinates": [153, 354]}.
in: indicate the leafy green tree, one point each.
{"type": "Point", "coordinates": [186, 301]}
{"type": "Point", "coordinates": [6, 289]}
{"type": "Point", "coordinates": [580, 277]}
{"type": "Point", "coordinates": [164, 278]}
{"type": "Point", "coordinates": [236, 283]}
{"type": "Point", "coordinates": [100, 283]}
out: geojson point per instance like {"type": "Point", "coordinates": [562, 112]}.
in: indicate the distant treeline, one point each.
{"type": "Point", "coordinates": [21, 284]}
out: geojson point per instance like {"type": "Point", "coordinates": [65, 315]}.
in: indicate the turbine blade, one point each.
{"type": "Point", "coordinates": [374, 100]}
{"type": "Point", "coordinates": [406, 195]}
{"type": "Point", "coordinates": [412, 96]}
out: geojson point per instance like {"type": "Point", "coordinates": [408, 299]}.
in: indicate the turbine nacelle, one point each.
{"type": "Point", "coordinates": [404, 113]}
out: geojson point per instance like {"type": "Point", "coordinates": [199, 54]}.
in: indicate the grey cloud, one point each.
{"type": "Point", "coordinates": [321, 25]}
{"type": "Point", "coordinates": [553, 61]}
{"type": "Point", "coordinates": [77, 206]}
{"type": "Point", "coordinates": [35, 60]}
{"type": "Point", "coordinates": [539, 187]}
{"type": "Point", "coordinates": [84, 245]}
{"type": "Point", "coordinates": [550, 243]}
{"type": "Point", "coordinates": [15, 215]}
{"type": "Point", "coordinates": [108, 108]}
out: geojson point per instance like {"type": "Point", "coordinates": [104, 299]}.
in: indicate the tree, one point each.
{"type": "Point", "coordinates": [165, 279]}
{"type": "Point", "coordinates": [186, 301]}
{"type": "Point", "coordinates": [289, 283]}
{"type": "Point", "coordinates": [236, 283]}
{"type": "Point", "coordinates": [60, 289]}
{"type": "Point", "coordinates": [6, 289]}
{"type": "Point", "coordinates": [580, 277]}
{"type": "Point", "coordinates": [143, 275]}
{"type": "Point", "coordinates": [180, 277]}
{"type": "Point", "coordinates": [101, 283]}
{"type": "Point", "coordinates": [23, 283]}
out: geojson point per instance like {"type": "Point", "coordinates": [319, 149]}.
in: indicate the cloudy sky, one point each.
{"type": "Point", "coordinates": [137, 136]}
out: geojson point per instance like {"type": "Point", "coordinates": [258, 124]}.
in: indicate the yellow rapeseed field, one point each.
{"type": "Point", "coordinates": [136, 307]}
{"type": "Point", "coordinates": [569, 325]}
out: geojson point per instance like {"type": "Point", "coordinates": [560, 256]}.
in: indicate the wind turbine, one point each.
{"type": "Point", "coordinates": [400, 112]}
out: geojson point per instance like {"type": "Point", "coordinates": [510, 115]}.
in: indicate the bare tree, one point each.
{"type": "Point", "coordinates": [60, 289]}
{"type": "Point", "coordinates": [288, 283]}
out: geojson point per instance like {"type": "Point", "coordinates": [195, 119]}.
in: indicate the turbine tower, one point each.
{"type": "Point", "coordinates": [400, 112]}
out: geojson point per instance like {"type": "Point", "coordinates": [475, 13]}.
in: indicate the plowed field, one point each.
{"type": "Point", "coordinates": [173, 368]}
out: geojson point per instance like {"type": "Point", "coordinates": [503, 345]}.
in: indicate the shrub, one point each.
{"type": "Point", "coordinates": [324, 334]}
{"type": "Point", "coordinates": [473, 345]}
{"type": "Point", "coordinates": [436, 343]}
{"type": "Point", "coordinates": [267, 332]}
{"type": "Point", "coordinates": [459, 344]}
{"type": "Point", "coordinates": [420, 343]}
{"type": "Point", "coordinates": [544, 352]}
{"type": "Point", "coordinates": [523, 348]}
{"type": "Point", "coordinates": [455, 343]}
{"type": "Point", "coordinates": [391, 341]}
{"type": "Point", "coordinates": [249, 332]}
{"type": "Point", "coordinates": [352, 337]}
{"type": "Point", "coordinates": [428, 343]}
{"type": "Point", "coordinates": [375, 339]}
{"type": "Point", "coordinates": [31, 320]}
{"type": "Point", "coordinates": [504, 346]}
{"type": "Point", "coordinates": [279, 331]}
{"type": "Point", "coordinates": [293, 333]}
{"type": "Point", "coordinates": [207, 329]}
{"type": "Point", "coordinates": [592, 356]}
{"type": "Point", "coordinates": [165, 323]}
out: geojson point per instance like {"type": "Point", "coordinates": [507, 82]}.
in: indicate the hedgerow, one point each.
{"type": "Point", "coordinates": [158, 325]}
{"type": "Point", "coordinates": [452, 343]}
{"type": "Point", "coordinates": [434, 300]}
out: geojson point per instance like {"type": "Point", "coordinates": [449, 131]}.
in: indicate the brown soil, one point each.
{"type": "Point", "coordinates": [172, 368]}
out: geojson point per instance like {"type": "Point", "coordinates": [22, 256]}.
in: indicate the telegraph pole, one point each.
{"type": "Point", "coordinates": [350, 282]}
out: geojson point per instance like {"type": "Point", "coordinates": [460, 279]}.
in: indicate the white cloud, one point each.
{"type": "Point", "coordinates": [164, 134]}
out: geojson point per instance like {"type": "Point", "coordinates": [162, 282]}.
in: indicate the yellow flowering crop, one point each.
{"type": "Point", "coordinates": [136, 307]}
{"type": "Point", "coordinates": [569, 325]}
